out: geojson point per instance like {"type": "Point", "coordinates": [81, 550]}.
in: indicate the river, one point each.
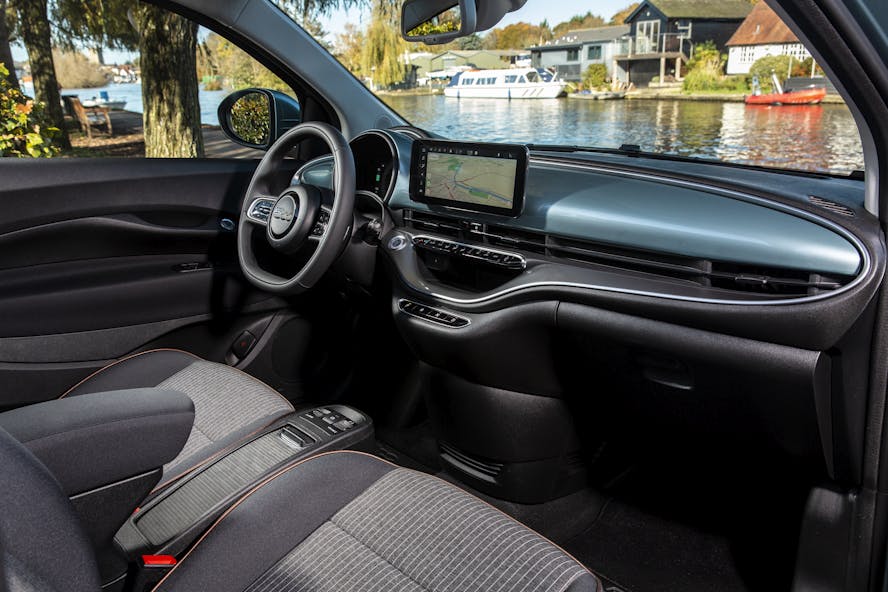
{"type": "Point", "coordinates": [817, 138]}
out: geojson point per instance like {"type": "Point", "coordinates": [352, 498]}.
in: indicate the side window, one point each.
{"type": "Point", "coordinates": [149, 86]}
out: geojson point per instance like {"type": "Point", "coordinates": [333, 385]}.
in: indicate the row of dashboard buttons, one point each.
{"type": "Point", "coordinates": [468, 251]}
{"type": "Point", "coordinates": [321, 225]}
{"type": "Point", "coordinates": [432, 314]}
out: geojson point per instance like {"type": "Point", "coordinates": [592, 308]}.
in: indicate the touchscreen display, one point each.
{"type": "Point", "coordinates": [482, 177]}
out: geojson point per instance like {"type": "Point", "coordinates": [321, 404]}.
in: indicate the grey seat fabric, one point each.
{"type": "Point", "coordinates": [350, 522]}
{"type": "Point", "coordinates": [228, 404]}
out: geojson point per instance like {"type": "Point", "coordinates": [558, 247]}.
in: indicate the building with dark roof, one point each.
{"type": "Point", "coordinates": [573, 53]}
{"type": "Point", "coordinates": [763, 33]}
{"type": "Point", "coordinates": [663, 33]}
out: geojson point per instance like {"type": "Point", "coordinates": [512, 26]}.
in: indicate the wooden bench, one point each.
{"type": "Point", "coordinates": [88, 117]}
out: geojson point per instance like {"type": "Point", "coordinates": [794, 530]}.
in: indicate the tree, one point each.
{"type": "Point", "coordinates": [517, 36]}
{"type": "Point", "coordinates": [620, 17]}
{"type": "Point", "coordinates": [5, 50]}
{"type": "Point", "coordinates": [37, 37]}
{"type": "Point", "coordinates": [580, 21]}
{"type": "Point", "coordinates": [381, 58]}
{"type": "Point", "coordinates": [763, 67]}
{"type": "Point", "coordinates": [349, 47]}
{"type": "Point", "coordinates": [170, 106]}
{"type": "Point", "coordinates": [472, 42]}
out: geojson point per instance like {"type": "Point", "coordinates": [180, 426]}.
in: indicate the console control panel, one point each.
{"type": "Point", "coordinates": [434, 315]}
{"type": "Point", "coordinates": [328, 420]}
{"type": "Point", "coordinates": [481, 254]}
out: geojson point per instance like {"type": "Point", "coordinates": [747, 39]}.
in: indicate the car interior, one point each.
{"type": "Point", "coordinates": [317, 371]}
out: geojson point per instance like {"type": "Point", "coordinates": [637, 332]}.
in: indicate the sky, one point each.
{"type": "Point", "coordinates": [534, 12]}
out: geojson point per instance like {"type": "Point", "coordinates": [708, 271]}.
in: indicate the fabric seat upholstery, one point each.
{"type": "Point", "coordinates": [348, 521]}
{"type": "Point", "coordinates": [228, 404]}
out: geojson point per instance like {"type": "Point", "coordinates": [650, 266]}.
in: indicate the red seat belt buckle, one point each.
{"type": "Point", "coordinates": [158, 561]}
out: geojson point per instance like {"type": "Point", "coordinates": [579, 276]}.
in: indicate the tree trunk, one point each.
{"type": "Point", "coordinates": [34, 24]}
{"type": "Point", "coordinates": [171, 109]}
{"type": "Point", "coordinates": [5, 50]}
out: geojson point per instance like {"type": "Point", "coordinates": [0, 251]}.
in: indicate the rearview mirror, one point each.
{"type": "Point", "coordinates": [434, 22]}
{"type": "Point", "coordinates": [257, 117]}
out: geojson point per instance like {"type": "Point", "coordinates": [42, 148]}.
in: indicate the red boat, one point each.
{"type": "Point", "coordinates": [806, 96]}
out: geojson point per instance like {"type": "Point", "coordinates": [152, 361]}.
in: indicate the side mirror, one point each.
{"type": "Point", "coordinates": [257, 117]}
{"type": "Point", "coordinates": [434, 22]}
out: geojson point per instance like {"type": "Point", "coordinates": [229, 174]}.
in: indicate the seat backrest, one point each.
{"type": "Point", "coordinates": [42, 544]}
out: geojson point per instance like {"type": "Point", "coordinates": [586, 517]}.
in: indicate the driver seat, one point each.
{"type": "Point", "coordinates": [229, 405]}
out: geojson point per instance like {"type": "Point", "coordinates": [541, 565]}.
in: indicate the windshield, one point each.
{"type": "Point", "coordinates": [715, 79]}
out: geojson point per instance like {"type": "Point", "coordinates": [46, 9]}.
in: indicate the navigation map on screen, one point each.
{"type": "Point", "coordinates": [472, 179]}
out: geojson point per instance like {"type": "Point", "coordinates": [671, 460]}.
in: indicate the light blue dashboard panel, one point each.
{"type": "Point", "coordinates": [658, 215]}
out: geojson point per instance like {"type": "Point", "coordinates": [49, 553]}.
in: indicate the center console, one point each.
{"type": "Point", "coordinates": [172, 520]}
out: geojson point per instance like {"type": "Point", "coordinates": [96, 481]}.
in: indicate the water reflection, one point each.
{"type": "Point", "coordinates": [819, 138]}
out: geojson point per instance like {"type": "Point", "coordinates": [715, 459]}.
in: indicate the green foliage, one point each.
{"type": "Point", "coordinates": [381, 56]}
{"type": "Point", "coordinates": [251, 118]}
{"type": "Point", "coordinates": [595, 76]}
{"type": "Point", "coordinates": [225, 65]}
{"type": "Point", "coordinates": [780, 65]}
{"type": "Point", "coordinates": [706, 70]}
{"type": "Point", "coordinates": [22, 129]}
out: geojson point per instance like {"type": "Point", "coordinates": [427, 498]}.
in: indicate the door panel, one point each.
{"type": "Point", "coordinates": [101, 257]}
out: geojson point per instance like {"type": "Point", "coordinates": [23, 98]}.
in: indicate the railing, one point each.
{"type": "Point", "coordinates": [568, 72]}
{"type": "Point", "coordinates": [665, 43]}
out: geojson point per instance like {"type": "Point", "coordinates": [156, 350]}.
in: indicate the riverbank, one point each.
{"type": "Point", "coordinates": [673, 94]}
{"type": "Point", "coordinates": [128, 140]}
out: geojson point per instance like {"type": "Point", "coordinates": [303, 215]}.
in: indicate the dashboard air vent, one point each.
{"type": "Point", "coordinates": [636, 260]}
{"type": "Point", "coordinates": [423, 221]}
{"type": "Point", "coordinates": [499, 236]}
{"type": "Point", "coordinates": [778, 282]}
{"type": "Point", "coordinates": [830, 205]}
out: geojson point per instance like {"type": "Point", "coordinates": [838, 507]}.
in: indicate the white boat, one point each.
{"type": "Point", "coordinates": [103, 100]}
{"type": "Point", "coordinates": [516, 83]}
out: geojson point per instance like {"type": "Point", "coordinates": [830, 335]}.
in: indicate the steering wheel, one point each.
{"type": "Point", "coordinates": [296, 216]}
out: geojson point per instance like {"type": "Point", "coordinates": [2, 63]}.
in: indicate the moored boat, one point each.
{"type": "Point", "coordinates": [517, 83]}
{"type": "Point", "coordinates": [598, 95]}
{"type": "Point", "coordinates": [803, 96]}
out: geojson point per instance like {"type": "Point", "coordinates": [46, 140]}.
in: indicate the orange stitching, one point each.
{"type": "Point", "coordinates": [288, 468]}
{"type": "Point", "coordinates": [121, 360]}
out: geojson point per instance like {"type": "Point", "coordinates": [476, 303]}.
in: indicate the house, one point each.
{"type": "Point", "coordinates": [572, 54]}
{"type": "Point", "coordinates": [663, 33]}
{"type": "Point", "coordinates": [455, 60]}
{"type": "Point", "coordinates": [763, 33]}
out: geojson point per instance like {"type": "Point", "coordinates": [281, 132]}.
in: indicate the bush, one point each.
{"type": "Point", "coordinates": [595, 77]}
{"type": "Point", "coordinates": [22, 133]}
{"type": "Point", "coordinates": [73, 70]}
{"type": "Point", "coordinates": [706, 72]}
{"type": "Point", "coordinates": [763, 67]}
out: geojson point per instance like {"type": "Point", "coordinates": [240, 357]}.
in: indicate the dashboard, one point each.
{"type": "Point", "coordinates": [636, 275]}
{"type": "Point", "coordinates": [603, 226]}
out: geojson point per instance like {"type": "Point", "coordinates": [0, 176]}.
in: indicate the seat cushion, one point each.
{"type": "Point", "coordinates": [348, 521]}
{"type": "Point", "coordinates": [229, 404]}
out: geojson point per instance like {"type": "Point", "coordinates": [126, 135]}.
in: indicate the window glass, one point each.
{"type": "Point", "coordinates": [179, 71]}
{"type": "Point", "coordinates": [695, 74]}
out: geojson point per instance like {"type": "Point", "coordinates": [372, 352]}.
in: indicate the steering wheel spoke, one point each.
{"type": "Point", "coordinates": [320, 227]}
{"type": "Point", "coordinates": [260, 210]}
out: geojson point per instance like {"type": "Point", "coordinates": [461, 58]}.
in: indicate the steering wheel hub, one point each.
{"type": "Point", "coordinates": [282, 216]}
